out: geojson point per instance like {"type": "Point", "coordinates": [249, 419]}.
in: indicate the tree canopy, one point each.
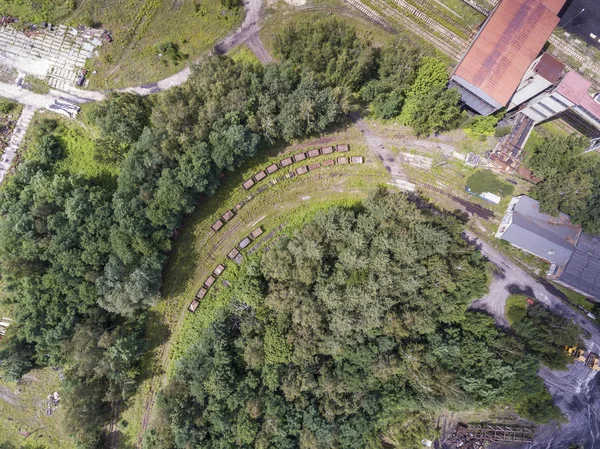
{"type": "Point", "coordinates": [570, 179]}
{"type": "Point", "coordinates": [82, 258]}
{"type": "Point", "coordinates": [348, 334]}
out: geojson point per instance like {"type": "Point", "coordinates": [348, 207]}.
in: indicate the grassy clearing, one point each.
{"type": "Point", "coordinates": [78, 147]}
{"type": "Point", "coordinates": [139, 26]}
{"type": "Point", "coordinates": [23, 409]}
{"type": "Point", "coordinates": [37, 11]}
{"type": "Point", "coordinates": [79, 152]}
{"type": "Point", "coordinates": [243, 54]}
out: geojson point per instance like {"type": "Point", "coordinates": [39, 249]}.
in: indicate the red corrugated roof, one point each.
{"type": "Point", "coordinates": [555, 5]}
{"type": "Point", "coordinates": [512, 38]}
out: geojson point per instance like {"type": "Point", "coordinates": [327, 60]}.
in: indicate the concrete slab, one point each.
{"type": "Point", "coordinates": [38, 55]}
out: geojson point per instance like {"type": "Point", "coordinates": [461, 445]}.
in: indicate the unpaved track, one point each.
{"type": "Point", "coordinates": [577, 390]}
{"type": "Point", "coordinates": [246, 33]}
{"type": "Point", "coordinates": [377, 146]}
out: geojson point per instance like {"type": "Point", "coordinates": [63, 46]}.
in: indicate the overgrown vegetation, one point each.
{"type": "Point", "coordinates": [37, 11]}
{"type": "Point", "coordinates": [544, 334]}
{"type": "Point", "coordinates": [82, 256]}
{"type": "Point", "coordinates": [483, 126]}
{"type": "Point", "coordinates": [486, 181]}
{"type": "Point", "coordinates": [570, 179]}
{"type": "Point", "coordinates": [340, 337]}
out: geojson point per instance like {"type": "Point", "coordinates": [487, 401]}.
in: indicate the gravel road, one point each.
{"type": "Point", "coordinates": [37, 101]}
{"type": "Point", "coordinates": [577, 390]}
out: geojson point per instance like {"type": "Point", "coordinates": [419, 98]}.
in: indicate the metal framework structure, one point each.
{"type": "Point", "coordinates": [501, 433]}
{"type": "Point", "coordinates": [594, 145]}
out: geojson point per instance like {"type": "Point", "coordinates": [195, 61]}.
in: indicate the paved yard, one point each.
{"type": "Point", "coordinates": [55, 56]}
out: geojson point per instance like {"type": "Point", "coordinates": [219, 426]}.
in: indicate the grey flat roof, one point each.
{"type": "Point", "coordinates": [474, 97]}
{"type": "Point", "coordinates": [548, 237]}
{"type": "Point", "coordinates": [583, 269]}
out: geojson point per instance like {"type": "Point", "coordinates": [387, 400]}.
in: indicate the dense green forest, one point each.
{"type": "Point", "coordinates": [570, 179]}
{"type": "Point", "coordinates": [350, 334]}
{"type": "Point", "coordinates": [82, 257]}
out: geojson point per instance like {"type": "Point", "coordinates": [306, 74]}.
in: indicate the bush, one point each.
{"type": "Point", "coordinates": [388, 105]}
{"type": "Point", "coordinates": [486, 181]}
{"type": "Point", "coordinates": [482, 126]}
{"type": "Point", "coordinates": [230, 4]}
{"type": "Point", "coordinates": [502, 131]}
{"type": "Point", "coordinates": [6, 106]}
{"type": "Point", "coordinates": [170, 53]}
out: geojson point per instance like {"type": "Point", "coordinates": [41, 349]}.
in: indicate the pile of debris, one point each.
{"type": "Point", "coordinates": [462, 438]}
{"type": "Point", "coordinates": [483, 435]}
{"type": "Point", "coordinates": [68, 109]}
{"type": "Point", "coordinates": [52, 403]}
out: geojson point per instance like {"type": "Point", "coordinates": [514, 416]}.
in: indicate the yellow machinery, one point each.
{"type": "Point", "coordinates": [577, 353]}
{"type": "Point", "coordinates": [593, 362]}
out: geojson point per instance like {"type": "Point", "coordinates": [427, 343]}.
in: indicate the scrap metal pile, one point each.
{"type": "Point", "coordinates": [480, 436]}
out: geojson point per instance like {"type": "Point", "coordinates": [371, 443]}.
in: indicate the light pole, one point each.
{"type": "Point", "coordinates": [574, 17]}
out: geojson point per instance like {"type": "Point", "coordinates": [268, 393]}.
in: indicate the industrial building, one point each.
{"type": "Point", "coordinates": [543, 73]}
{"type": "Point", "coordinates": [582, 18]}
{"type": "Point", "coordinates": [573, 255]}
{"type": "Point", "coordinates": [550, 238]}
{"type": "Point", "coordinates": [569, 100]}
{"type": "Point", "coordinates": [582, 271]}
{"type": "Point", "coordinates": [494, 66]}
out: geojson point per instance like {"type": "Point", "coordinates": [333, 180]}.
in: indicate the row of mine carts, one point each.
{"type": "Point", "coordinates": [589, 359]}
{"type": "Point", "coordinates": [234, 255]}
{"type": "Point", "coordinates": [228, 215]}
{"type": "Point", "coordinates": [315, 152]}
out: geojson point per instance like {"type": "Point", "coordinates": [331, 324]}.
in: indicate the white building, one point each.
{"type": "Point", "coordinates": [542, 74]}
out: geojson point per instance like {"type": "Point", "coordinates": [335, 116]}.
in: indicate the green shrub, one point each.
{"type": "Point", "coordinates": [170, 53]}
{"type": "Point", "coordinates": [482, 126]}
{"type": "Point", "coordinates": [486, 181]}
{"type": "Point", "coordinates": [502, 131]}
{"type": "Point", "coordinates": [6, 106]}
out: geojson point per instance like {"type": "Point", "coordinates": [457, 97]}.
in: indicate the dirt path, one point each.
{"type": "Point", "coordinates": [246, 33]}
{"type": "Point", "coordinates": [576, 390]}
{"type": "Point", "coordinates": [377, 146]}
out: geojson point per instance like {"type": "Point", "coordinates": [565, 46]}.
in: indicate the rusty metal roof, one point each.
{"type": "Point", "coordinates": [512, 38]}
{"type": "Point", "coordinates": [549, 68]}
{"type": "Point", "coordinates": [555, 5]}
